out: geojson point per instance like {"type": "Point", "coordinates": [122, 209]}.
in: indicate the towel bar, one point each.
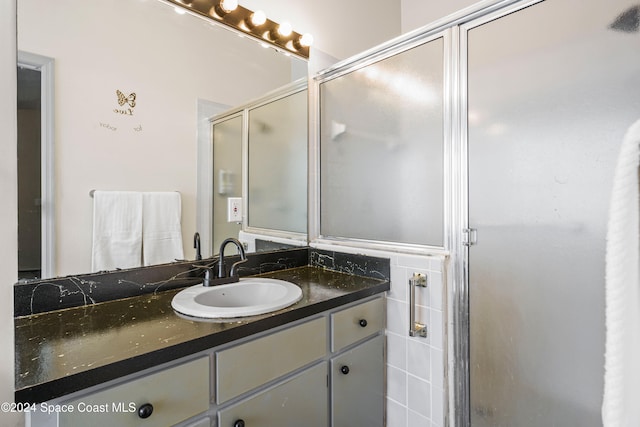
{"type": "Point", "coordinates": [93, 191]}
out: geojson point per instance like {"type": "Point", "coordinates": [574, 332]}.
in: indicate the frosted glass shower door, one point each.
{"type": "Point", "coordinates": [552, 89]}
{"type": "Point", "coordinates": [381, 150]}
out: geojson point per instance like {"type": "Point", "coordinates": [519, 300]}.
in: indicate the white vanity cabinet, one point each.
{"type": "Point", "coordinates": [326, 370]}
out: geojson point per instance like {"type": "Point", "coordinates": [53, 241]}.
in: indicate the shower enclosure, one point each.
{"type": "Point", "coordinates": [536, 98]}
{"type": "Point", "coordinates": [550, 90]}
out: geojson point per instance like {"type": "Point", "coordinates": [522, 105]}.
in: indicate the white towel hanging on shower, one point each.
{"type": "Point", "coordinates": [620, 406]}
{"type": "Point", "coordinates": [117, 230]}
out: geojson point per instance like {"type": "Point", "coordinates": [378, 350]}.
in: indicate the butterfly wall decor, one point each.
{"type": "Point", "coordinates": [124, 99]}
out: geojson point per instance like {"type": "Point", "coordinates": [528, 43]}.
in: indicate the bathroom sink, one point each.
{"type": "Point", "coordinates": [248, 297]}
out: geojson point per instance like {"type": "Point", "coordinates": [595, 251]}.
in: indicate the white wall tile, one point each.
{"type": "Point", "coordinates": [396, 350]}
{"type": "Point", "coordinates": [397, 317]}
{"type": "Point", "coordinates": [398, 283]}
{"type": "Point", "coordinates": [437, 406]}
{"type": "Point", "coordinates": [435, 290]}
{"type": "Point", "coordinates": [396, 414]}
{"type": "Point", "coordinates": [397, 385]}
{"type": "Point", "coordinates": [417, 420]}
{"type": "Point", "coordinates": [419, 359]}
{"type": "Point", "coordinates": [414, 261]}
{"type": "Point", "coordinates": [419, 396]}
{"type": "Point", "coordinates": [437, 368]}
{"type": "Point", "coordinates": [435, 330]}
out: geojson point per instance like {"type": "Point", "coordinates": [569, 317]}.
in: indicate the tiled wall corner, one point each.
{"type": "Point", "coordinates": [415, 384]}
{"type": "Point", "coordinates": [412, 362]}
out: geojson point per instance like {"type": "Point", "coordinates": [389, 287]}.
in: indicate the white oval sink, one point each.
{"type": "Point", "coordinates": [248, 297]}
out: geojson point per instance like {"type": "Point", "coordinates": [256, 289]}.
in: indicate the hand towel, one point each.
{"type": "Point", "coordinates": [117, 230]}
{"type": "Point", "coordinates": [620, 406]}
{"type": "Point", "coordinates": [161, 227]}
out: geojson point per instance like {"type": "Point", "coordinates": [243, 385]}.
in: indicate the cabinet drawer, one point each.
{"type": "Point", "coordinates": [249, 365]}
{"type": "Point", "coordinates": [298, 401]}
{"type": "Point", "coordinates": [355, 323]}
{"type": "Point", "coordinates": [176, 394]}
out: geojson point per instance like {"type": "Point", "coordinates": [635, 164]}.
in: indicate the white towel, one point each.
{"type": "Point", "coordinates": [161, 227]}
{"type": "Point", "coordinates": [117, 230]}
{"type": "Point", "coordinates": [620, 406]}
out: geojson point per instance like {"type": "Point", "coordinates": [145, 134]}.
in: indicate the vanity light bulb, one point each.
{"type": "Point", "coordinates": [306, 40]}
{"type": "Point", "coordinates": [229, 5]}
{"type": "Point", "coordinates": [285, 29]}
{"type": "Point", "coordinates": [258, 18]}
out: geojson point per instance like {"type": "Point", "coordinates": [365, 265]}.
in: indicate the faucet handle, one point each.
{"type": "Point", "coordinates": [196, 246]}
{"type": "Point", "coordinates": [207, 281]}
{"type": "Point", "coordinates": [234, 267]}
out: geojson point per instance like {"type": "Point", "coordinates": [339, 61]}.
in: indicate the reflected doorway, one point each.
{"type": "Point", "coordinates": [35, 166]}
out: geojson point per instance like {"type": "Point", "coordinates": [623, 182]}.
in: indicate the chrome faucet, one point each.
{"type": "Point", "coordinates": [221, 265]}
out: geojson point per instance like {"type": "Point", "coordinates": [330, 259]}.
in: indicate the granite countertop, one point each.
{"type": "Point", "coordinates": [60, 352]}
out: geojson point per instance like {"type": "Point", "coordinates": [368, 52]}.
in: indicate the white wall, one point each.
{"type": "Point", "coordinates": [417, 13]}
{"type": "Point", "coordinates": [340, 28]}
{"type": "Point", "coordinates": [9, 205]}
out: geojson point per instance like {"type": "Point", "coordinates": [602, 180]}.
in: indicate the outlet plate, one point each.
{"type": "Point", "coordinates": [234, 209]}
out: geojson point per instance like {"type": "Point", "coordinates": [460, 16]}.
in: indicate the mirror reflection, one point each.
{"type": "Point", "coordinates": [129, 80]}
{"type": "Point", "coordinates": [278, 189]}
{"type": "Point", "coordinates": [259, 176]}
{"type": "Point", "coordinates": [227, 175]}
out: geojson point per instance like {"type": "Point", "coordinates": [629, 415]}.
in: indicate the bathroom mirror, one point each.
{"type": "Point", "coordinates": [132, 82]}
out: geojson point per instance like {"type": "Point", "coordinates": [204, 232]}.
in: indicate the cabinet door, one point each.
{"type": "Point", "coordinates": [357, 385]}
{"type": "Point", "coordinates": [299, 401]}
{"type": "Point", "coordinates": [161, 399]}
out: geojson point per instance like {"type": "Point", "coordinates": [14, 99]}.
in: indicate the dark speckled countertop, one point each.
{"type": "Point", "coordinates": [63, 351]}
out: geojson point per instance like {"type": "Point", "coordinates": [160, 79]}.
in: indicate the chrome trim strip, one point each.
{"type": "Point", "coordinates": [418, 35]}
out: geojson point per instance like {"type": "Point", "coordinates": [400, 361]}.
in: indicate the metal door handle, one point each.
{"type": "Point", "coordinates": [415, 328]}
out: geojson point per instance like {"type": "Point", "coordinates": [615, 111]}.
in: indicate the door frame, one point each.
{"type": "Point", "coordinates": [47, 165]}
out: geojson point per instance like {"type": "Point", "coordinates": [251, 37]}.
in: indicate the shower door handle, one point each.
{"type": "Point", "coordinates": [415, 328]}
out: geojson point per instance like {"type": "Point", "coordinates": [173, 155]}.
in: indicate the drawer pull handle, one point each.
{"type": "Point", "coordinates": [344, 369]}
{"type": "Point", "coordinates": [239, 423]}
{"type": "Point", "coordinates": [363, 323]}
{"type": "Point", "coordinates": [145, 410]}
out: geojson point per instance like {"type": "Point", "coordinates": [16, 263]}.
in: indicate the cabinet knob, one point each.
{"type": "Point", "coordinates": [145, 410]}
{"type": "Point", "coordinates": [344, 369]}
{"type": "Point", "coordinates": [363, 323]}
{"type": "Point", "coordinates": [239, 423]}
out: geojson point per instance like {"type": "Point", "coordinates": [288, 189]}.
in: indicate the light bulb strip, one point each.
{"type": "Point", "coordinates": [240, 18]}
